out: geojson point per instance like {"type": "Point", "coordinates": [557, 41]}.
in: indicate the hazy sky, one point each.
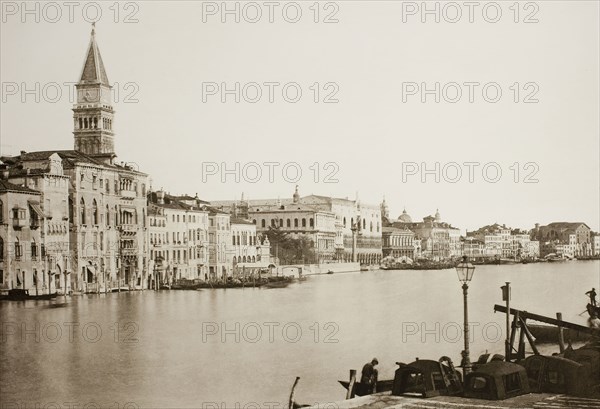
{"type": "Point", "coordinates": [376, 59]}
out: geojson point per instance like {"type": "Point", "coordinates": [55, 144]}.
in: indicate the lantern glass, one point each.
{"type": "Point", "coordinates": [465, 270]}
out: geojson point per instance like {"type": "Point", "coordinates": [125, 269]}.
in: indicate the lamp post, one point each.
{"type": "Point", "coordinates": [465, 272]}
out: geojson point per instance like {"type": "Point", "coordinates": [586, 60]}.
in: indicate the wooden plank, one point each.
{"type": "Point", "coordinates": [552, 321]}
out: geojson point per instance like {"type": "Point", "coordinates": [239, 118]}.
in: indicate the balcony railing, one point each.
{"type": "Point", "coordinates": [128, 193]}
{"type": "Point", "coordinates": [130, 228]}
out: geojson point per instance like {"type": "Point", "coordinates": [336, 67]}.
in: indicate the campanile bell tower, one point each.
{"type": "Point", "coordinates": [93, 113]}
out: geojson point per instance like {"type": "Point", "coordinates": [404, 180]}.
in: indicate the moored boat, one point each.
{"type": "Point", "coordinates": [549, 334]}
{"type": "Point", "coordinates": [362, 390]}
{"type": "Point", "coordinates": [18, 294]}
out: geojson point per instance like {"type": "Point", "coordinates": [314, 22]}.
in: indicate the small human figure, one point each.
{"type": "Point", "coordinates": [592, 294]}
{"type": "Point", "coordinates": [368, 377]}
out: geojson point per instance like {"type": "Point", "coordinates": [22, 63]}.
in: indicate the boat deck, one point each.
{"type": "Point", "coordinates": [529, 401]}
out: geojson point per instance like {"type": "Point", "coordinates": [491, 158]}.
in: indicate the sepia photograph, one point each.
{"type": "Point", "coordinates": [347, 204]}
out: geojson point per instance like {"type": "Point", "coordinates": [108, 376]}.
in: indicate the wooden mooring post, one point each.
{"type": "Point", "coordinates": [561, 334]}
{"type": "Point", "coordinates": [350, 392]}
{"type": "Point", "coordinates": [291, 402]}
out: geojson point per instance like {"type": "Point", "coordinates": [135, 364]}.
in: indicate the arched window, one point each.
{"type": "Point", "coordinates": [244, 259]}
{"type": "Point", "coordinates": [371, 227]}
{"type": "Point", "coordinates": [364, 223]}
{"type": "Point", "coordinates": [295, 222]}
{"type": "Point", "coordinates": [289, 223]}
{"type": "Point", "coordinates": [1, 248]}
{"type": "Point", "coordinates": [95, 212]}
{"type": "Point", "coordinates": [101, 241]}
{"type": "Point", "coordinates": [238, 239]}
{"type": "Point", "coordinates": [280, 222]}
{"type": "Point", "coordinates": [82, 211]}
{"type": "Point", "coordinates": [34, 251]}
{"type": "Point", "coordinates": [263, 223]}
{"type": "Point", "coordinates": [116, 216]}
{"type": "Point", "coordinates": [254, 221]}
{"type": "Point", "coordinates": [107, 216]}
{"type": "Point", "coordinates": [253, 259]}
{"type": "Point", "coordinates": [1, 212]}
{"type": "Point", "coordinates": [233, 242]}
{"type": "Point", "coordinates": [352, 222]}
{"type": "Point", "coordinates": [312, 222]}
{"type": "Point", "coordinates": [234, 260]}
{"type": "Point", "coordinates": [344, 222]}
{"type": "Point", "coordinates": [303, 222]}
{"type": "Point", "coordinates": [377, 227]}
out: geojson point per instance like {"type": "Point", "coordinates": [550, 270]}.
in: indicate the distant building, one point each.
{"type": "Point", "coordinates": [21, 263]}
{"type": "Point", "coordinates": [595, 238]}
{"type": "Point", "coordinates": [178, 235]}
{"type": "Point", "coordinates": [502, 242]}
{"type": "Point", "coordinates": [570, 239]}
{"type": "Point", "coordinates": [400, 242]}
{"type": "Point", "coordinates": [250, 251]}
{"type": "Point", "coordinates": [333, 220]}
{"type": "Point", "coordinates": [439, 240]}
{"type": "Point", "coordinates": [219, 240]}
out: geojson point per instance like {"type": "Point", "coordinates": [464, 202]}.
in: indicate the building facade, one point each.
{"type": "Point", "coordinates": [572, 239]}
{"type": "Point", "coordinates": [439, 240]}
{"type": "Point", "coordinates": [342, 229]}
{"type": "Point", "coordinates": [103, 202]}
{"type": "Point", "coordinates": [400, 243]}
{"type": "Point", "coordinates": [178, 236]}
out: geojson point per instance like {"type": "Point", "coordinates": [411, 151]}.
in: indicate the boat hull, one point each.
{"type": "Point", "coordinates": [361, 390]}
{"type": "Point", "coordinates": [21, 295]}
{"type": "Point", "coordinates": [549, 334]}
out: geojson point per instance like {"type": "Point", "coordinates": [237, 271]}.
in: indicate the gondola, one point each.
{"type": "Point", "coordinates": [18, 294]}
{"type": "Point", "coordinates": [593, 309]}
{"type": "Point", "coordinates": [361, 390]}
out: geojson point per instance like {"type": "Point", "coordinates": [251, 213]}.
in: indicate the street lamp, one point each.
{"type": "Point", "coordinates": [465, 271]}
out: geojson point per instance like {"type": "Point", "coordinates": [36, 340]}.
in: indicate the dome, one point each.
{"type": "Point", "coordinates": [404, 217]}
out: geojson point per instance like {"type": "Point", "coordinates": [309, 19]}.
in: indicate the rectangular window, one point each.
{"type": "Point", "coordinates": [1, 276]}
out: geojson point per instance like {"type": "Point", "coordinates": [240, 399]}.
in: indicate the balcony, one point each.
{"type": "Point", "coordinates": [128, 229]}
{"type": "Point", "coordinates": [128, 194]}
{"type": "Point", "coordinates": [19, 223]}
{"type": "Point", "coordinates": [129, 252]}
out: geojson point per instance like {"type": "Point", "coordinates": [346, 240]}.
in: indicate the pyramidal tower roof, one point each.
{"type": "Point", "coordinates": [93, 68]}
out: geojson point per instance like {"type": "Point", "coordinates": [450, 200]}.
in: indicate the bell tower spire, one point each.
{"type": "Point", "coordinates": [93, 113]}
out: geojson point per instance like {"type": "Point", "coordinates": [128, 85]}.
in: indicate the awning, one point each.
{"type": "Point", "coordinates": [37, 209]}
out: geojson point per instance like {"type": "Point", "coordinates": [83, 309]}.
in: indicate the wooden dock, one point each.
{"type": "Point", "coordinates": [529, 401]}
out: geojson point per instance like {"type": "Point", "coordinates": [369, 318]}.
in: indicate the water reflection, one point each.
{"type": "Point", "coordinates": [242, 346]}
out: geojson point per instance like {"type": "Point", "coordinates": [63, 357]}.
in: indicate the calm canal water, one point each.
{"type": "Point", "coordinates": [244, 347]}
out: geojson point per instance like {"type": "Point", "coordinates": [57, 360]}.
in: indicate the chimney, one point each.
{"type": "Point", "coordinates": [23, 153]}
{"type": "Point", "coordinates": [160, 196]}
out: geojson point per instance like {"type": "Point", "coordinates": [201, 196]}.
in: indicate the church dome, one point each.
{"type": "Point", "coordinates": [405, 217]}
